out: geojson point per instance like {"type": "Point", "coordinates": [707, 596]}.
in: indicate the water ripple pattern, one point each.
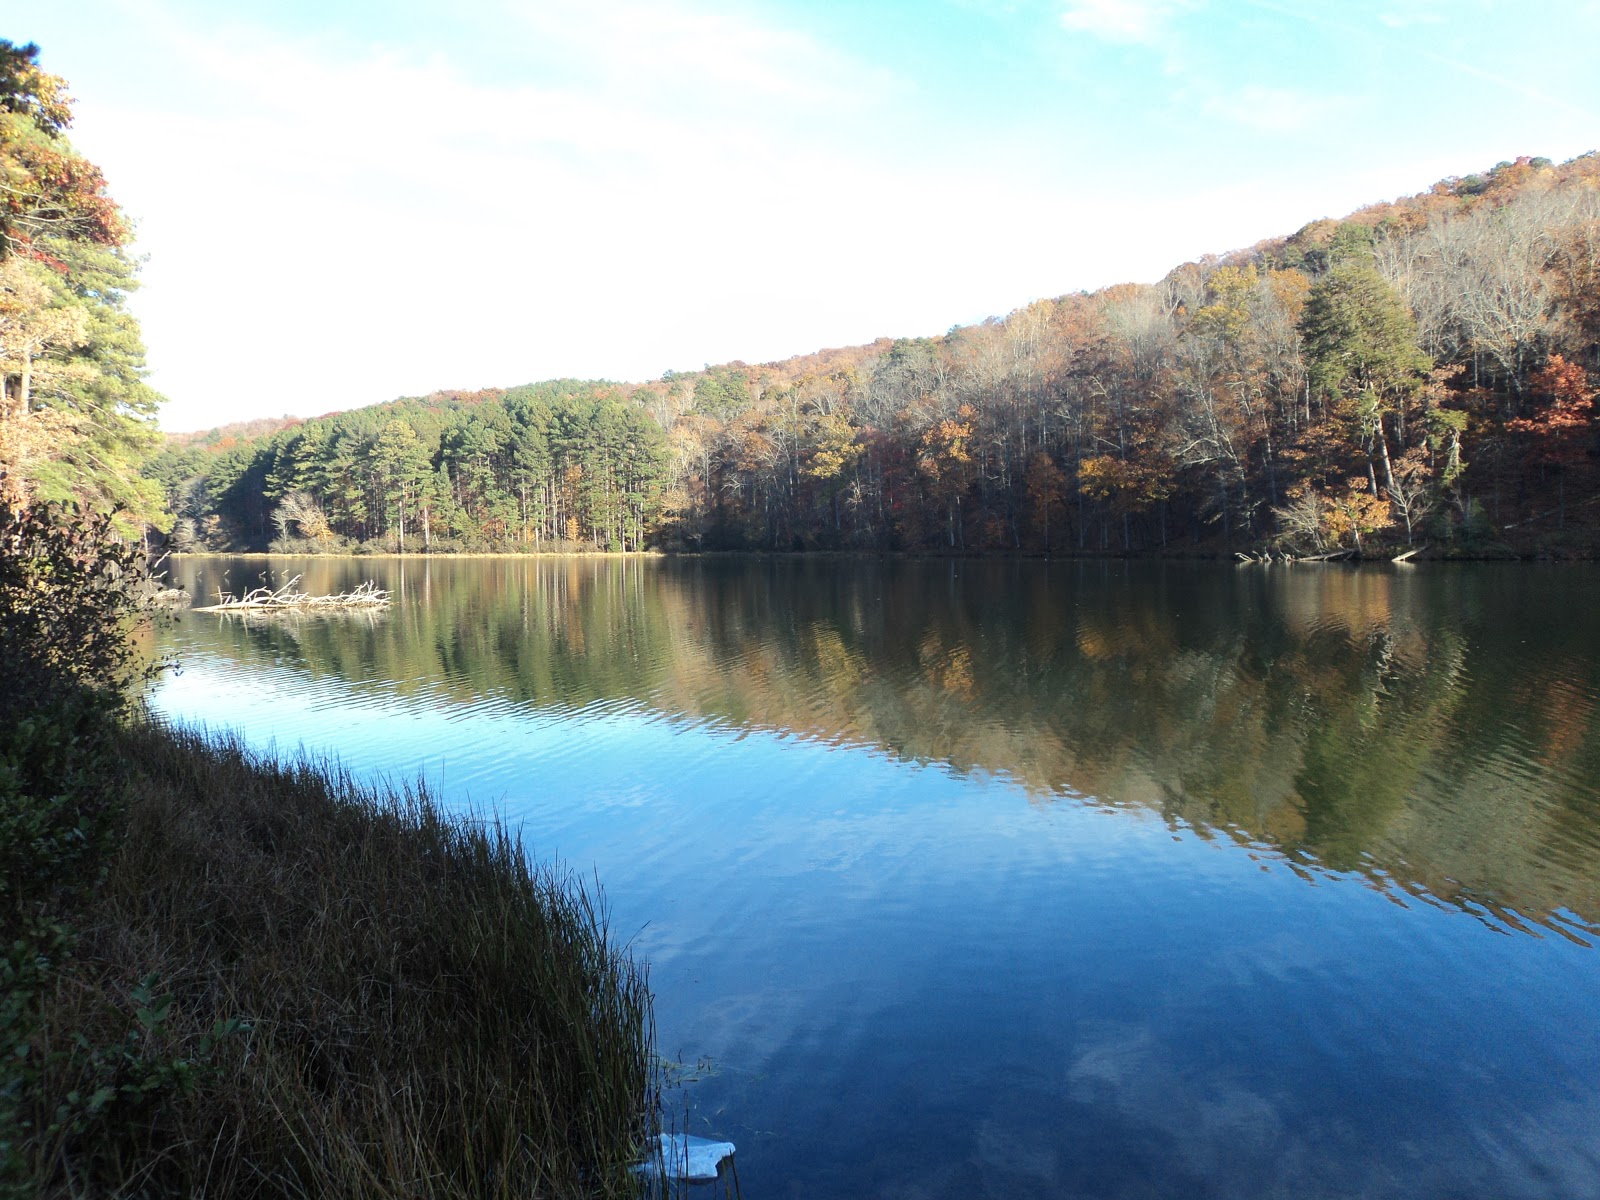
{"type": "Point", "coordinates": [1079, 879]}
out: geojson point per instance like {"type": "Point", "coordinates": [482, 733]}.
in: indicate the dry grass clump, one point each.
{"type": "Point", "coordinates": [288, 985]}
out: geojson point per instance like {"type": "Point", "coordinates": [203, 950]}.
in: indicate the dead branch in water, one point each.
{"type": "Point", "coordinates": [1283, 556]}
{"type": "Point", "coordinates": [367, 597]}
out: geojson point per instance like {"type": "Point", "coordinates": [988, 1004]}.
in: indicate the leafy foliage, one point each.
{"type": "Point", "coordinates": [1228, 406]}
{"type": "Point", "coordinates": [1561, 429]}
{"type": "Point", "coordinates": [536, 467]}
{"type": "Point", "coordinates": [75, 413]}
{"type": "Point", "coordinates": [45, 188]}
{"type": "Point", "coordinates": [68, 592]}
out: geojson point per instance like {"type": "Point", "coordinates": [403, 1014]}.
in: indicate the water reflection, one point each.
{"type": "Point", "coordinates": [1433, 729]}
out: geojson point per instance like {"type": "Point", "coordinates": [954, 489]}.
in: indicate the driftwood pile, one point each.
{"type": "Point", "coordinates": [1277, 556]}
{"type": "Point", "coordinates": [1283, 556]}
{"type": "Point", "coordinates": [263, 600]}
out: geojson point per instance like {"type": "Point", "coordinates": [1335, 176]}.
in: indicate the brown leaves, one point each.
{"type": "Point", "coordinates": [1355, 511]}
{"type": "Point", "coordinates": [1130, 485]}
{"type": "Point", "coordinates": [944, 449]}
{"type": "Point", "coordinates": [1559, 430]}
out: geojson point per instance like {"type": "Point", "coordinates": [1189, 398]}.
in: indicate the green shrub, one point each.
{"type": "Point", "coordinates": [69, 591]}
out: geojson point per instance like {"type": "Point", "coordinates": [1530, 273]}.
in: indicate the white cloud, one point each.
{"type": "Point", "coordinates": [328, 230]}
{"type": "Point", "coordinates": [668, 45]}
{"type": "Point", "coordinates": [1273, 110]}
{"type": "Point", "coordinates": [1139, 22]}
{"type": "Point", "coordinates": [1409, 15]}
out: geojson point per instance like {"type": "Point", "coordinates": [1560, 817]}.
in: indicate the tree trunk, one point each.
{"type": "Point", "coordinates": [1383, 452]}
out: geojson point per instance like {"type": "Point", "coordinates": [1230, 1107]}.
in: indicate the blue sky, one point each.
{"type": "Point", "coordinates": [339, 207]}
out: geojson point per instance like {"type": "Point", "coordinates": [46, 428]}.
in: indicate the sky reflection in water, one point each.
{"type": "Point", "coordinates": [1024, 879]}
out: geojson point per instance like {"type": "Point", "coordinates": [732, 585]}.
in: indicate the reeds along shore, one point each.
{"type": "Point", "coordinates": [333, 991]}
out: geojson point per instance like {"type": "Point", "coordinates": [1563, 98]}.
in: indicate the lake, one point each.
{"type": "Point", "coordinates": [966, 878]}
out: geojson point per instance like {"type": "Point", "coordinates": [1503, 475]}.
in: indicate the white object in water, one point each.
{"type": "Point", "coordinates": [692, 1158]}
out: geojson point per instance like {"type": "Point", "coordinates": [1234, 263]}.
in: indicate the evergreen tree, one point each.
{"type": "Point", "coordinates": [76, 417]}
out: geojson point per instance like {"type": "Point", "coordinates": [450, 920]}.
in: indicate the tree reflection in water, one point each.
{"type": "Point", "coordinates": [1432, 727]}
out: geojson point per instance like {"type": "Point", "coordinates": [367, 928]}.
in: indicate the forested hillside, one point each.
{"type": "Point", "coordinates": [1419, 372]}
{"type": "Point", "coordinates": [559, 463]}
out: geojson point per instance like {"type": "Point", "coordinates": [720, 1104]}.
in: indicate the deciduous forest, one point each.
{"type": "Point", "coordinates": [1420, 372]}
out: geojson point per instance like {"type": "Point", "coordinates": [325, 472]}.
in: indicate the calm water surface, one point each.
{"type": "Point", "coordinates": [1028, 879]}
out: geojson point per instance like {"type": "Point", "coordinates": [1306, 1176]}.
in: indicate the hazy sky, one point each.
{"type": "Point", "coordinates": [343, 203]}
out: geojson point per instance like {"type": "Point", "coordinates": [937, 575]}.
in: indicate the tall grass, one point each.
{"type": "Point", "coordinates": [290, 985]}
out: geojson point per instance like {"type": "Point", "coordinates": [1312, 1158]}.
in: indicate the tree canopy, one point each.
{"type": "Point", "coordinates": [76, 418]}
{"type": "Point", "coordinates": [1417, 371]}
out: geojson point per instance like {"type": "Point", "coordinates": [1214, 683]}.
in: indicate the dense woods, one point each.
{"type": "Point", "coordinates": [1419, 372]}
{"type": "Point", "coordinates": [530, 468]}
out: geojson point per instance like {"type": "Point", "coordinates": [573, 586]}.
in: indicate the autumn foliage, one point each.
{"type": "Point", "coordinates": [1417, 373]}
{"type": "Point", "coordinates": [1562, 429]}
{"type": "Point", "coordinates": [75, 414]}
{"type": "Point", "coordinates": [46, 188]}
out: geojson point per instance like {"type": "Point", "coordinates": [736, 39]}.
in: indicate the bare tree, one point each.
{"type": "Point", "coordinates": [300, 510]}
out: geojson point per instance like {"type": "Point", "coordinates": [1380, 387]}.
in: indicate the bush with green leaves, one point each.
{"type": "Point", "coordinates": [70, 588]}
{"type": "Point", "coordinates": [69, 591]}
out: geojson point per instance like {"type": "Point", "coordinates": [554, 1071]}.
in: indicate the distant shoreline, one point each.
{"type": "Point", "coordinates": [1505, 555]}
{"type": "Point", "coordinates": [390, 554]}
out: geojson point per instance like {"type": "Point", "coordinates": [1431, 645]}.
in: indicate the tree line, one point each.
{"type": "Point", "coordinates": [1420, 371]}
{"type": "Point", "coordinates": [559, 464]}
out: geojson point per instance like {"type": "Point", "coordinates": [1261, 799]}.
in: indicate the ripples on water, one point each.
{"type": "Point", "coordinates": [1029, 879]}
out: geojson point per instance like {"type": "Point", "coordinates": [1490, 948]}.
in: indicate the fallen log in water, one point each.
{"type": "Point", "coordinates": [263, 600]}
{"type": "Point", "coordinates": [1283, 556]}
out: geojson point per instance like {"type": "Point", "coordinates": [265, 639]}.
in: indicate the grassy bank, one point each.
{"type": "Point", "coordinates": [345, 993]}
{"type": "Point", "coordinates": [221, 975]}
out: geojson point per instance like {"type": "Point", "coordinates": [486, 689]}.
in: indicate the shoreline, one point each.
{"type": "Point", "coordinates": [1505, 555]}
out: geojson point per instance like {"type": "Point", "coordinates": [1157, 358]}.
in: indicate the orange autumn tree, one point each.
{"type": "Point", "coordinates": [1047, 490]}
{"type": "Point", "coordinates": [1354, 512]}
{"type": "Point", "coordinates": [1126, 485]}
{"type": "Point", "coordinates": [46, 188]}
{"type": "Point", "coordinates": [1562, 431]}
{"type": "Point", "coordinates": [943, 454]}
